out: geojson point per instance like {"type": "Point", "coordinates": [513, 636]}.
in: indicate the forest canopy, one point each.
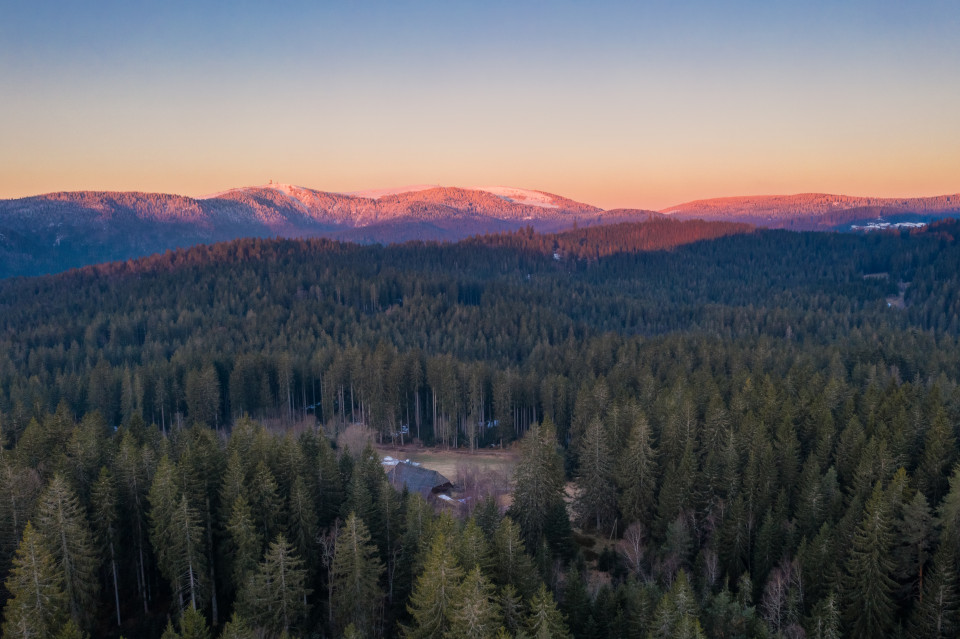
{"type": "Point", "coordinates": [750, 435]}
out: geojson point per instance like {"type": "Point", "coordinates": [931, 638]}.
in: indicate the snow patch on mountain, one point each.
{"type": "Point", "coordinates": [374, 194]}
{"type": "Point", "coordinates": [521, 196]}
{"type": "Point", "coordinates": [288, 189]}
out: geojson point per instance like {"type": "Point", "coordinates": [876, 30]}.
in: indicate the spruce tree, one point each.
{"type": "Point", "coordinates": [37, 606]}
{"type": "Point", "coordinates": [434, 592]}
{"type": "Point", "coordinates": [511, 563]}
{"type": "Point", "coordinates": [237, 628]}
{"type": "Point", "coordinates": [274, 597]}
{"type": "Point", "coordinates": [473, 548]}
{"type": "Point", "coordinates": [870, 605]}
{"type": "Point", "coordinates": [637, 474]}
{"type": "Point", "coordinates": [475, 614]}
{"type": "Point", "coordinates": [244, 544]}
{"type": "Point", "coordinates": [105, 518]}
{"type": "Point", "coordinates": [676, 615]}
{"type": "Point", "coordinates": [193, 625]}
{"type": "Point", "coordinates": [302, 519]}
{"type": "Point", "coordinates": [545, 621]}
{"type": "Point", "coordinates": [356, 578]}
{"type": "Point", "coordinates": [824, 622]}
{"type": "Point", "coordinates": [64, 528]}
{"type": "Point", "coordinates": [596, 501]}
{"type": "Point", "coordinates": [915, 534]}
{"type": "Point", "coordinates": [935, 615]}
{"type": "Point", "coordinates": [939, 453]}
{"type": "Point", "coordinates": [178, 537]}
{"type": "Point", "coordinates": [263, 493]}
{"type": "Point", "coordinates": [538, 481]}
{"type": "Point", "coordinates": [187, 556]}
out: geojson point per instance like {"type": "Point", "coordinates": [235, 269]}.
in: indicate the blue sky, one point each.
{"type": "Point", "coordinates": [615, 103]}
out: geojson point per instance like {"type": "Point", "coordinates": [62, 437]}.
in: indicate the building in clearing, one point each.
{"type": "Point", "coordinates": [415, 478]}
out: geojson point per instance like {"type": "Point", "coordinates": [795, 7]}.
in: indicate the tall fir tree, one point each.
{"type": "Point", "coordinates": [63, 524]}
{"type": "Point", "coordinates": [545, 621]}
{"type": "Point", "coordinates": [637, 474]}
{"type": "Point", "coordinates": [103, 499]}
{"type": "Point", "coordinates": [475, 614]}
{"type": "Point", "coordinates": [870, 606]}
{"type": "Point", "coordinates": [37, 606]}
{"type": "Point", "coordinates": [824, 621]}
{"type": "Point", "coordinates": [596, 502]}
{"type": "Point", "coordinates": [434, 593]}
{"type": "Point", "coordinates": [275, 596]}
{"type": "Point", "coordinates": [356, 578]}
{"type": "Point", "coordinates": [511, 563]}
{"type": "Point", "coordinates": [935, 615]}
{"type": "Point", "coordinates": [538, 481]}
{"type": "Point", "coordinates": [178, 537]}
{"type": "Point", "coordinates": [244, 543]}
{"type": "Point", "coordinates": [676, 615]}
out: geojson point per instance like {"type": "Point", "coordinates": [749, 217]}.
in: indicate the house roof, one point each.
{"type": "Point", "coordinates": [415, 478]}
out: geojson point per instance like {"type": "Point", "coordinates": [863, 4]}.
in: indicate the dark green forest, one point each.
{"type": "Point", "coordinates": [753, 435]}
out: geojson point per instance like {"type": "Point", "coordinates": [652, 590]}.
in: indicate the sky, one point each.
{"type": "Point", "coordinates": [619, 104]}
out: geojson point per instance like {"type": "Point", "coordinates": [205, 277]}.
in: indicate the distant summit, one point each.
{"type": "Point", "coordinates": [57, 231]}
{"type": "Point", "coordinates": [817, 211]}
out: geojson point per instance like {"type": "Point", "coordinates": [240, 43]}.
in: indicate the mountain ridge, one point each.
{"type": "Point", "coordinates": [65, 229]}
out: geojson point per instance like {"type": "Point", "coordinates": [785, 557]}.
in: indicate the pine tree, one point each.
{"type": "Point", "coordinates": [105, 517]}
{"type": "Point", "coordinates": [676, 616]}
{"type": "Point", "coordinates": [511, 563]}
{"type": "Point", "coordinates": [64, 528]}
{"type": "Point", "coordinates": [434, 592]}
{"type": "Point", "coordinates": [637, 474]}
{"type": "Point", "coordinates": [70, 630]}
{"type": "Point", "coordinates": [576, 603]}
{"type": "Point", "coordinates": [131, 466]}
{"type": "Point", "coordinates": [37, 606]}
{"type": "Point", "coordinates": [19, 486]}
{"type": "Point", "coordinates": [511, 606]}
{"type": "Point", "coordinates": [170, 632]}
{"type": "Point", "coordinates": [935, 616]}
{"type": "Point", "coordinates": [356, 578]}
{"type": "Point", "coordinates": [915, 534]}
{"type": "Point", "coordinates": [265, 501]}
{"type": "Point", "coordinates": [233, 484]}
{"type": "Point", "coordinates": [178, 537]}
{"type": "Point", "coordinates": [545, 621]}
{"type": "Point", "coordinates": [237, 628]}
{"type": "Point", "coordinates": [302, 519]}
{"type": "Point", "coordinates": [187, 555]}
{"type": "Point", "coordinates": [193, 625]}
{"type": "Point", "coordinates": [244, 544]}
{"type": "Point", "coordinates": [274, 597]}
{"type": "Point", "coordinates": [473, 549]}
{"type": "Point", "coordinates": [948, 513]}
{"type": "Point", "coordinates": [938, 455]}
{"type": "Point", "coordinates": [869, 600]}
{"type": "Point", "coordinates": [538, 481]}
{"type": "Point", "coordinates": [596, 502]}
{"type": "Point", "coordinates": [824, 622]}
{"type": "Point", "coordinates": [475, 614]}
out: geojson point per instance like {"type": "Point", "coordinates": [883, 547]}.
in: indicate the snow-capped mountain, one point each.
{"type": "Point", "coordinates": [61, 230]}
{"type": "Point", "coordinates": [816, 211]}
{"type": "Point", "coordinates": [56, 231]}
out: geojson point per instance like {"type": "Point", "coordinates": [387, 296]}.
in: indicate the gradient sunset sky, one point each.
{"type": "Point", "coordinates": [639, 104]}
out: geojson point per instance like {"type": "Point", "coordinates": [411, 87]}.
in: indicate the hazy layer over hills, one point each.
{"type": "Point", "coordinates": [814, 211]}
{"type": "Point", "coordinates": [53, 232]}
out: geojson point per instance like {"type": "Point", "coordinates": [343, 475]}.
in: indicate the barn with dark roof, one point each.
{"type": "Point", "coordinates": [416, 478]}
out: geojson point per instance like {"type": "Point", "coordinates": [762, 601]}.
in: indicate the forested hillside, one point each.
{"type": "Point", "coordinates": [744, 436]}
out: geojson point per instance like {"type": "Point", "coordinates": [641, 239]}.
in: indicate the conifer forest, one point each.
{"type": "Point", "coordinates": [713, 431]}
